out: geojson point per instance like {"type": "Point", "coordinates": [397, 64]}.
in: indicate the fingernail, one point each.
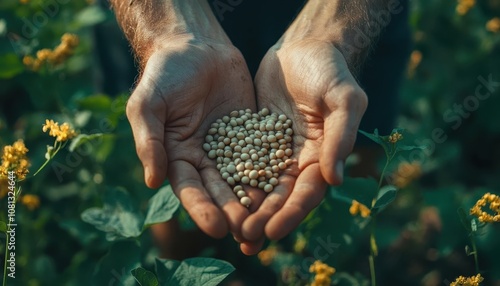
{"type": "Point", "coordinates": [339, 169]}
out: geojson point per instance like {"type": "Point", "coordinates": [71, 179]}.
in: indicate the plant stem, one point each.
{"type": "Point", "coordinates": [474, 249]}
{"type": "Point", "coordinates": [372, 270]}
{"type": "Point", "coordinates": [5, 258]}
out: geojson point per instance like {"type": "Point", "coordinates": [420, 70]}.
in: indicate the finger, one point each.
{"type": "Point", "coordinates": [308, 191]}
{"type": "Point", "coordinates": [187, 185]}
{"type": "Point", "coordinates": [225, 199]}
{"type": "Point", "coordinates": [148, 130]}
{"type": "Point", "coordinates": [340, 129]}
{"type": "Point", "coordinates": [253, 226]}
{"type": "Point", "coordinates": [252, 248]}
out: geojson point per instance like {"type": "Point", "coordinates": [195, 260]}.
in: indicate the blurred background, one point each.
{"type": "Point", "coordinates": [448, 99]}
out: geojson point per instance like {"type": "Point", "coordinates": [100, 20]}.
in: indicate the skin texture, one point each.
{"type": "Point", "coordinates": [189, 74]}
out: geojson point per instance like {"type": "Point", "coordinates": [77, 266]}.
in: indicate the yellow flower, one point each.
{"type": "Point", "coordinates": [62, 133]}
{"type": "Point", "coordinates": [32, 202]}
{"type": "Point", "coordinates": [468, 281]}
{"type": "Point", "coordinates": [54, 57]}
{"type": "Point", "coordinates": [23, 1]}
{"type": "Point", "coordinates": [266, 256]}
{"type": "Point", "coordinates": [464, 6]}
{"type": "Point", "coordinates": [494, 205]}
{"type": "Point", "coordinates": [14, 159]}
{"type": "Point", "coordinates": [359, 208]}
{"type": "Point", "coordinates": [395, 137]}
{"type": "Point", "coordinates": [406, 173]}
{"type": "Point", "coordinates": [322, 272]}
{"type": "Point", "coordinates": [493, 25]}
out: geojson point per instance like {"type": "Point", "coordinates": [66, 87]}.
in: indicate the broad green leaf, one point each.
{"type": "Point", "coordinates": [145, 277]}
{"type": "Point", "coordinates": [10, 66]}
{"type": "Point", "coordinates": [464, 219]}
{"type": "Point", "coordinates": [161, 206]}
{"type": "Point", "coordinates": [386, 195]}
{"type": "Point", "coordinates": [119, 217]}
{"type": "Point", "coordinates": [82, 139]}
{"type": "Point", "coordinates": [3, 226]}
{"type": "Point", "coordinates": [200, 271]}
{"type": "Point", "coordinates": [114, 268]}
{"type": "Point", "coordinates": [361, 189]}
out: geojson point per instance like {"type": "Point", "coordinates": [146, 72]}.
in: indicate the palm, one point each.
{"type": "Point", "coordinates": [310, 83]}
{"type": "Point", "coordinates": [185, 87]}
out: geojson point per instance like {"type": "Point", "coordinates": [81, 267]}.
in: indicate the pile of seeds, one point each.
{"type": "Point", "coordinates": [250, 149]}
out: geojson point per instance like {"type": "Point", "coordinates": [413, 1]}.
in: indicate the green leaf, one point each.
{"type": "Point", "coordinates": [464, 219]}
{"type": "Point", "coordinates": [83, 138]}
{"type": "Point", "coordinates": [162, 206]}
{"type": "Point", "coordinates": [409, 148]}
{"type": "Point", "coordinates": [374, 137]}
{"type": "Point", "coordinates": [386, 195]}
{"type": "Point", "coordinates": [10, 66]}
{"type": "Point", "coordinates": [89, 16]}
{"type": "Point", "coordinates": [361, 189]}
{"type": "Point", "coordinates": [119, 217]}
{"type": "Point", "coordinates": [115, 267]}
{"type": "Point", "coordinates": [3, 226]}
{"type": "Point", "coordinates": [200, 271]}
{"type": "Point", "coordinates": [165, 269]}
{"type": "Point", "coordinates": [145, 277]}
{"type": "Point", "coordinates": [98, 102]}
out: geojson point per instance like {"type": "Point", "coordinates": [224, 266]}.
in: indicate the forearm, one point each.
{"type": "Point", "coordinates": [351, 25]}
{"type": "Point", "coordinates": [148, 24]}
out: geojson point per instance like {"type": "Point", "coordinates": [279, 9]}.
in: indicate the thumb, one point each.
{"type": "Point", "coordinates": [146, 114]}
{"type": "Point", "coordinates": [340, 129]}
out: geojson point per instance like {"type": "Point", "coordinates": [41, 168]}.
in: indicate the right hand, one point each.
{"type": "Point", "coordinates": [186, 85]}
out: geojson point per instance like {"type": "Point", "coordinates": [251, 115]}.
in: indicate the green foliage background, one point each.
{"type": "Point", "coordinates": [91, 225]}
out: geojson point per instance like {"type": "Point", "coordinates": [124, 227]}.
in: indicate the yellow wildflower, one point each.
{"type": "Point", "coordinates": [266, 256]}
{"type": "Point", "coordinates": [493, 25]}
{"type": "Point", "coordinates": [468, 281]}
{"type": "Point", "coordinates": [483, 216]}
{"type": "Point", "coordinates": [359, 208]}
{"type": "Point", "coordinates": [14, 159]}
{"type": "Point", "coordinates": [464, 6]}
{"type": "Point", "coordinates": [32, 202]}
{"type": "Point", "coordinates": [406, 173]}
{"type": "Point", "coordinates": [322, 272]}
{"type": "Point", "coordinates": [54, 57]}
{"type": "Point", "coordinates": [395, 137]}
{"type": "Point", "coordinates": [62, 133]}
{"type": "Point", "coordinates": [4, 187]}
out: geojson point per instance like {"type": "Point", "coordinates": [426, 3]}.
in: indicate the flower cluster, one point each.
{"type": "Point", "coordinates": [468, 281]}
{"type": "Point", "coordinates": [464, 6]}
{"type": "Point", "coordinates": [395, 137]}
{"type": "Point", "coordinates": [54, 57]}
{"type": "Point", "coordinates": [406, 173]}
{"type": "Point", "coordinates": [267, 255]}
{"type": "Point", "coordinates": [322, 272]}
{"type": "Point", "coordinates": [359, 208]}
{"type": "Point", "coordinates": [62, 133]}
{"type": "Point", "coordinates": [483, 216]}
{"type": "Point", "coordinates": [14, 159]}
{"type": "Point", "coordinates": [32, 202]}
{"type": "Point", "coordinates": [493, 25]}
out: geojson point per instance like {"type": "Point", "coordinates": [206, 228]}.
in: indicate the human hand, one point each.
{"type": "Point", "coordinates": [309, 81]}
{"type": "Point", "coordinates": [188, 83]}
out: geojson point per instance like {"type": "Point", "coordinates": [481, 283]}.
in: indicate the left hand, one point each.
{"type": "Point", "coordinates": [309, 81]}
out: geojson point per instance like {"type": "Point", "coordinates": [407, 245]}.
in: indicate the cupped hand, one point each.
{"type": "Point", "coordinates": [186, 85]}
{"type": "Point", "coordinates": [309, 81]}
